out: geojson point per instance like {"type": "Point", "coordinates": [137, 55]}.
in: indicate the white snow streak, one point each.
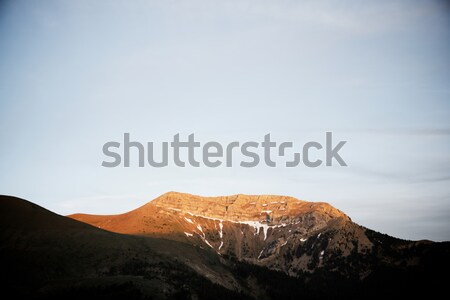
{"type": "Point", "coordinates": [175, 209]}
{"type": "Point", "coordinates": [221, 230]}
{"type": "Point", "coordinates": [207, 243]}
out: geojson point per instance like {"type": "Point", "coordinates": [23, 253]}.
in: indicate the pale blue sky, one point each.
{"type": "Point", "coordinates": [76, 74]}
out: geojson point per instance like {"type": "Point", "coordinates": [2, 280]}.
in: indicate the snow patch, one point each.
{"type": "Point", "coordinates": [188, 220]}
{"type": "Point", "coordinates": [188, 234]}
{"type": "Point", "coordinates": [221, 244]}
{"type": "Point", "coordinates": [257, 225]}
{"type": "Point", "coordinates": [303, 240]}
{"type": "Point", "coordinates": [221, 230]}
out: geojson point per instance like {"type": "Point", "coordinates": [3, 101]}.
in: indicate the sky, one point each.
{"type": "Point", "coordinates": [77, 74]}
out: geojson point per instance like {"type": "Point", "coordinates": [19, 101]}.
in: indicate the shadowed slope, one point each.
{"type": "Point", "coordinates": [44, 254]}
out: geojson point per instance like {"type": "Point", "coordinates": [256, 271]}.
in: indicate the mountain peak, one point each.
{"type": "Point", "coordinates": [250, 227]}
{"type": "Point", "coordinates": [240, 207]}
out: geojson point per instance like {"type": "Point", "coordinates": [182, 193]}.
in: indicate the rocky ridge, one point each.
{"type": "Point", "coordinates": [278, 232]}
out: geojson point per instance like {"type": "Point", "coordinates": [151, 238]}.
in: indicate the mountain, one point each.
{"type": "Point", "coordinates": [277, 232]}
{"type": "Point", "coordinates": [181, 246]}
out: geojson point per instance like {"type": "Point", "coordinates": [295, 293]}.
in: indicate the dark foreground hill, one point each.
{"type": "Point", "coordinates": [304, 250]}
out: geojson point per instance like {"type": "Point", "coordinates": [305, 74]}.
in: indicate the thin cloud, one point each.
{"type": "Point", "coordinates": [404, 131]}
{"type": "Point", "coordinates": [349, 16]}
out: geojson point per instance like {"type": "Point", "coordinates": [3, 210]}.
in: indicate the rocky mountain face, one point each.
{"type": "Point", "coordinates": [276, 232]}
